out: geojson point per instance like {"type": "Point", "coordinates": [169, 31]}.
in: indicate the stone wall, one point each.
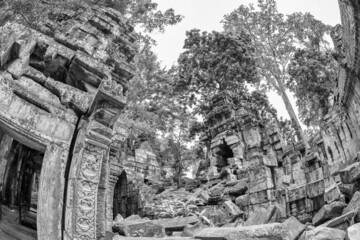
{"type": "Point", "coordinates": [297, 182]}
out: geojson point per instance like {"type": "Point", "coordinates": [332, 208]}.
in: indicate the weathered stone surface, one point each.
{"type": "Point", "coordinates": [315, 189]}
{"type": "Point", "coordinates": [349, 189]}
{"type": "Point", "coordinates": [239, 189]}
{"type": "Point", "coordinates": [69, 95]}
{"type": "Point", "coordinates": [260, 179]}
{"type": "Point", "coordinates": [37, 108]}
{"type": "Point", "coordinates": [351, 173]}
{"type": "Point", "coordinates": [342, 222]}
{"type": "Point", "coordinates": [273, 231]}
{"type": "Point", "coordinates": [323, 233]}
{"type": "Point", "coordinates": [203, 196]}
{"type": "Point", "coordinates": [293, 227]}
{"type": "Point", "coordinates": [242, 201]}
{"type": "Point", "coordinates": [217, 215]}
{"type": "Point", "coordinates": [332, 193]}
{"type": "Point", "coordinates": [353, 204]}
{"type": "Point", "coordinates": [327, 212]}
{"type": "Point", "coordinates": [118, 218]}
{"type": "Point", "coordinates": [176, 224]}
{"type": "Point", "coordinates": [232, 210]}
{"type": "Point", "coordinates": [139, 228]}
{"type": "Point", "coordinates": [117, 237]}
{"type": "Point", "coordinates": [192, 230]}
{"type": "Point", "coordinates": [215, 194]}
{"type": "Point", "coordinates": [133, 217]}
{"type": "Point", "coordinates": [270, 216]}
{"type": "Point", "coordinates": [353, 232]}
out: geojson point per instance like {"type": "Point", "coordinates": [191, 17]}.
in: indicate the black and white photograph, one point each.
{"type": "Point", "coordinates": [180, 119]}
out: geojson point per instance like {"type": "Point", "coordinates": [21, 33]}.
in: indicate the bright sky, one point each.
{"type": "Point", "coordinates": [206, 15]}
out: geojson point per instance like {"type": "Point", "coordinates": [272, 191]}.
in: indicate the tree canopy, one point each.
{"type": "Point", "coordinates": [312, 79]}
{"type": "Point", "coordinates": [213, 62]}
{"type": "Point", "coordinates": [275, 38]}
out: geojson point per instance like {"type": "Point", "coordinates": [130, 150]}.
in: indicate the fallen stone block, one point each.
{"type": "Point", "coordinates": [215, 194]}
{"type": "Point", "coordinates": [351, 173]}
{"type": "Point", "coordinates": [176, 224]}
{"type": "Point", "coordinates": [222, 214]}
{"type": "Point", "coordinates": [263, 217]}
{"type": "Point", "coordinates": [133, 217]}
{"type": "Point", "coordinates": [353, 204]}
{"type": "Point", "coordinates": [239, 189]}
{"type": "Point", "coordinates": [232, 210]}
{"type": "Point", "coordinates": [332, 194]}
{"type": "Point", "coordinates": [328, 212]}
{"type": "Point", "coordinates": [139, 228]}
{"type": "Point", "coordinates": [232, 183]}
{"type": "Point", "coordinates": [191, 230]}
{"type": "Point", "coordinates": [353, 232]}
{"type": "Point", "coordinates": [260, 197]}
{"type": "Point", "coordinates": [203, 196]}
{"type": "Point", "coordinates": [242, 201]}
{"type": "Point", "coordinates": [349, 189]}
{"type": "Point", "coordinates": [323, 233]}
{"type": "Point", "coordinates": [273, 231]}
{"type": "Point", "coordinates": [342, 222]}
{"type": "Point", "coordinates": [293, 227]}
{"type": "Point", "coordinates": [118, 218]}
{"type": "Point", "coordinates": [117, 237]}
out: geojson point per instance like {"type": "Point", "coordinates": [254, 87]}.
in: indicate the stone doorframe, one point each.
{"type": "Point", "coordinates": [47, 133]}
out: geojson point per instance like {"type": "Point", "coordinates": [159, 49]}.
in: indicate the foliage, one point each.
{"type": "Point", "coordinates": [275, 38]}
{"type": "Point", "coordinates": [144, 14]}
{"type": "Point", "coordinates": [213, 62]}
{"type": "Point", "coordinates": [259, 106]}
{"type": "Point", "coordinates": [154, 111]}
{"type": "Point", "coordinates": [31, 13]}
{"type": "Point", "coordinates": [287, 130]}
{"type": "Point", "coordinates": [177, 155]}
{"type": "Point", "coordinates": [312, 79]}
{"type": "Point", "coordinates": [312, 134]}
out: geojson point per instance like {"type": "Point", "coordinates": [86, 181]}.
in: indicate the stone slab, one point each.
{"type": "Point", "coordinates": [274, 231]}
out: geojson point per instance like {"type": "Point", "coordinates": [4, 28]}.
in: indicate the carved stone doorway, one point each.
{"type": "Point", "coordinates": [126, 197]}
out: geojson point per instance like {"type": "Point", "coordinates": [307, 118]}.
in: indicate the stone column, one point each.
{"type": "Point", "coordinates": [51, 192]}
{"type": "Point", "coordinates": [88, 185]}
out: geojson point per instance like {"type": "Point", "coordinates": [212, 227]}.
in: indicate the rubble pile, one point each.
{"type": "Point", "coordinates": [254, 186]}
{"type": "Point", "coordinates": [174, 219]}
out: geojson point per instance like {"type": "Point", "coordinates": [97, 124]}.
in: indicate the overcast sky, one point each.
{"type": "Point", "coordinates": [206, 15]}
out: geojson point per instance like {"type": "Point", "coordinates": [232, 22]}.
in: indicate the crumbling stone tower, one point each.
{"type": "Point", "coordinates": [271, 173]}
{"type": "Point", "coordinates": [62, 89]}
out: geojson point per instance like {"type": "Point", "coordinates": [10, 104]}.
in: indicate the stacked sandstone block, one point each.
{"type": "Point", "coordinates": [276, 174]}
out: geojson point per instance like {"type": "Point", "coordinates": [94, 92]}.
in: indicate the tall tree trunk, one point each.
{"type": "Point", "coordinates": [291, 112]}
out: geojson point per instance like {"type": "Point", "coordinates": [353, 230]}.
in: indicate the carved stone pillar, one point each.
{"type": "Point", "coordinates": [89, 185]}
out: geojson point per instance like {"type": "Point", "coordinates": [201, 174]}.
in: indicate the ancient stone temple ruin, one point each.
{"type": "Point", "coordinates": [296, 180]}
{"type": "Point", "coordinates": [68, 165]}
{"type": "Point", "coordinates": [62, 89]}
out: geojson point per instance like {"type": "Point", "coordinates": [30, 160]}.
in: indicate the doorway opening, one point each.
{"type": "Point", "coordinates": [21, 184]}
{"type": "Point", "coordinates": [126, 197]}
{"type": "Point", "coordinates": [224, 153]}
